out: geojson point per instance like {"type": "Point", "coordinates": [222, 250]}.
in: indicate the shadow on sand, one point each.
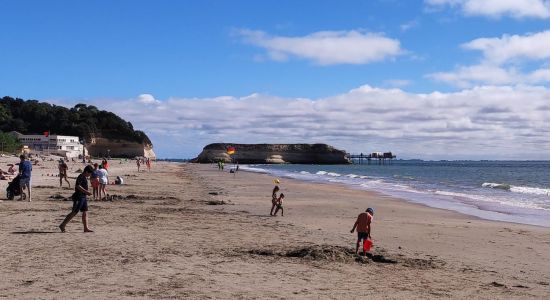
{"type": "Point", "coordinates": [34, 232]}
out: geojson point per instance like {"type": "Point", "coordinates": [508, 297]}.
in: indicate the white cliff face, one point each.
{"type": "Point", "coordinates": [274, 154]}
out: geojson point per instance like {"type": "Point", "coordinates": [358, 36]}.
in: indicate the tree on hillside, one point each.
{"type": "Point", "coordinates": [82, 120]}
{"type": "Point", "coordinates": [8, 143]}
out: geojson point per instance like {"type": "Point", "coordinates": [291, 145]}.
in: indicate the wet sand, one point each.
{"type": "Point", "coordinates": [190, 231]}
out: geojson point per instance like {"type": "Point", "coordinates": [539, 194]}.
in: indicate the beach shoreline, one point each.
{"type": "Point", "coordinates": [188, 230]}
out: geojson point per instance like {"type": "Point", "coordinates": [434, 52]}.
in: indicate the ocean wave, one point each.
{"type": "Point", "coordinates": [501, 186]}
{"type": "Point", "coordinates": [333, 174]}
{"type": "Point", "coordinates": [518, 189]}
{"type": "Point", "coordinates": [530, 190]}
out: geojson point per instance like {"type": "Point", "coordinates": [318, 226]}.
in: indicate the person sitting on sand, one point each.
{"type": "Point", "coordinates": [274, 199]}
{"type": "Point", "coordinates": [280, 205]}
{"type": "Point", "coordinates": [63, 172]}
{"type": "Point", "coordinates": [11, 169]}
{"type": "Point", "coordinates": [363, 225]}
{"type": "Point", "coordinates": [80, 202]}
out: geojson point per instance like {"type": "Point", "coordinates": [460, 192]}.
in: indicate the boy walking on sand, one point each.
{"type": "Point", "coordinates": [363, 225]}
{"type": "Point", "coordinates": [80, 202]}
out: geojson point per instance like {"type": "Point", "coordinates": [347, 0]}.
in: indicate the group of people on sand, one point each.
{"type": "Point", "coordinates": [145, 160]}
{"type": "Point", "coordinates": [363, 223]}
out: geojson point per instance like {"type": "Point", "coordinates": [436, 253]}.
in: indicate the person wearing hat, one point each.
{"type": "Point", "coordinates": [363, 225]}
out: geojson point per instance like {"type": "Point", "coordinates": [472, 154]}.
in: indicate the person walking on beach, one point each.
{"type": "Point", "coordinates": [138, 163]}
{"type": "Point", "coordinates": [364, 226]}
{"type": "Point", "coordinates": [280, 205]}
{"type": "Point", "coordinates": [148, 164]}
{"type": "Point", "coordinates": [25, 170]}
{"type": "Point", "coordinates": [63, 172]}
{"type": "Point", "coordinates": [103, 181]}
{"type": "Point", "coordinates": [80, 202]}
{"type": "Point", "coordinates": [274, 199]}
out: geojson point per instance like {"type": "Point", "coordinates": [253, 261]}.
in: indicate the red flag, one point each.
{"type": "Point", "coordinates": [46, 133]}
{"type": "Point", "coordinates": [230, 150]}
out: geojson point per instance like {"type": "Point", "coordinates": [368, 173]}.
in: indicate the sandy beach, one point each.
{"type": "Point", "coordinates": [191, 231]}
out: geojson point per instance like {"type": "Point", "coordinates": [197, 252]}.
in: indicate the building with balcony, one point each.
{"type": "Point", "coordinates": [63, 145]}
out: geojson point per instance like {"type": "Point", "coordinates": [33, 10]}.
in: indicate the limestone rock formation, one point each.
{"type": "Point", "coordinates": [273, 154]}
{"type": "Point", "coordinates": [102, 147]}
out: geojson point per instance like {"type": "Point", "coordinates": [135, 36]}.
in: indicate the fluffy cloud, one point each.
{"type": "Point", "coordinates": [484, 122]}
{"type": "Point", "coordinates": [326, 47]}
{"type": "Point", "coordinates": [513, 47]}
{"type": "Point", "coordinates": [498, 8]}
{"type": "Point", "coordinates": [502, 61]}
{"type": "Point", "coordinates": [147, 99]}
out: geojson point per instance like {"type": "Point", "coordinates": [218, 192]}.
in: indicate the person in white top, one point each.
{"type": "Point", "coordinates": [103, 181]}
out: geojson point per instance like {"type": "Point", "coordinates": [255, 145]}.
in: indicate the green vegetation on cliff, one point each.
{"type": "Point", "coordinates": [34, 117]}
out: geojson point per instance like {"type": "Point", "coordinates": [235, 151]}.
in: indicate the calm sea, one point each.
{"type": "Point", "coordinates": [512, 191]}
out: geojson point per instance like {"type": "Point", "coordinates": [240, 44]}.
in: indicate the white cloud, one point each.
{"type": "Point", "coordinates": [326, 47]}
{"type": "Point", "coordinates": [502, 61]}
{"type": "Point", "coordinates": [409, 25]}
{"type": "Point", "coordinates": [535, 46]}
{"type": "Point", "coordinates": [147, 99]}
{"type": "Point", "coordinates": [467, 76]}
{"type": "Point", "coordinates": [397, 82]}
{"type": "Point", "coordinates": [504, 122]}
{"type": "Point", "coordinates": [498, 8]}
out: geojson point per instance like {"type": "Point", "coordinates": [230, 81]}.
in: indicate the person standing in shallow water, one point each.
{"type": "Point", "coordinates": [80, 202]}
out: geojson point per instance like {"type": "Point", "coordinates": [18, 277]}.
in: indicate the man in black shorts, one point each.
{"type": "Point", "coordinates": [80, 203]}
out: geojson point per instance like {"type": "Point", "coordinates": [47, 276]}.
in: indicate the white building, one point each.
{"type": "Point", "coordinates": [63, 145]}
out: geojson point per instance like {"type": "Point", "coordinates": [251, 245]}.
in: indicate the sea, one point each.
{"type": "Point", "coordinates": [511, 191]}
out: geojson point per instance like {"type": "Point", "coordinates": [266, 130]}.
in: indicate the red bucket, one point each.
{"type": "Point", "coordinates": [367, 244]}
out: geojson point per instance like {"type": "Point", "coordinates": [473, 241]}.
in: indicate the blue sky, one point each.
{"type": "Point", "coordinates": [360, 75]}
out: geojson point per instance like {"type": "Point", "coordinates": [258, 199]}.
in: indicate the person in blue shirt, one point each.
{"type": "Point", "coordinates": [25, 169]}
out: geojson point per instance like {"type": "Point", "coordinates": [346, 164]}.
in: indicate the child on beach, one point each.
{"type": "Point", "coordinates": [94, 180]}
{"type": "Point", "coordinates": [63, 172]}
{"type": "Point", "coordinates": [280, 205]}
{"type": "Point", "coordinates": [80, 202]}
{"type": "Point", "coordinates": [274, 199]}
{"type": "Point", "coordinates": [363, 225]}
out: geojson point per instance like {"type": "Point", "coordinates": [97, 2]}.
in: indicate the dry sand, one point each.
{"type": "Point", "coordinates": [162, 237]}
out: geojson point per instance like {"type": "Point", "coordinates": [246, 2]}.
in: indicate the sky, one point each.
{"type": "Point", "coordinates": [429, 79]}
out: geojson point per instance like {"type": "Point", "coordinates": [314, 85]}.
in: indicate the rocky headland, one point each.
{"type": "Point", "coordinates": [273, 154]}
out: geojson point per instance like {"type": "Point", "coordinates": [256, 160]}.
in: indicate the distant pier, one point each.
{"type": "Point", "coordinates": [381, 157]}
